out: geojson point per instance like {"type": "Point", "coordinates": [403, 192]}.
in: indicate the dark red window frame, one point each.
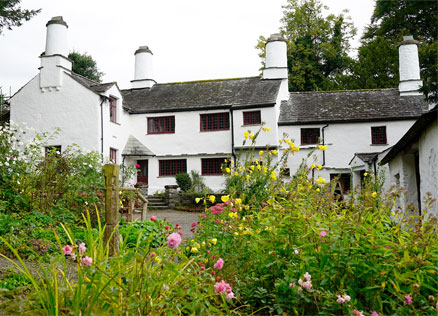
{"type": "Point", "coordinates": [142, 173]}
{"type": "Point", "coordinates": [378, 135]}
{"type": "Point", "coordinates": [113, 109]}
{"type": "Point", "coordinates": [310, 136]}
{"type": "Point", "coordinates": [212, 166]}
{"type": "Point", "coordinates": [113, 155]}
{"type": "Point", "coordinates": [161, 125]}
{"type": "Point", "coordinates": [172, 167]}
{"type": "Point", "coordinates": [215, 122]}
{"type": "Point", "coordinates": [252, 118]}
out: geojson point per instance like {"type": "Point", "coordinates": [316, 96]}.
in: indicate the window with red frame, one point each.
{"type": "Point", "coordinates": [212, 166]}
{"type": "Point", "coordinates": [113, 109]}
{"type": "Point", "coordinates": [252, 118]}
{"type": "Point", "coordinates": [113, 155]}
{"type": "Point", "coordinates": [172, 167]}
{"type": "Point", "coordinates": [215, 122]}
{"type": "Point", "coordinates": [161, 125]}
{"type": "Point", "coordinates": [309, 136]}
{"type": "Point", "coordinates": [378, 135]}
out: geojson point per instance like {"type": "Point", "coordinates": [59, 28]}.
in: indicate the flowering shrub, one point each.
{"type": "Point", "coordinates": [292, 247]}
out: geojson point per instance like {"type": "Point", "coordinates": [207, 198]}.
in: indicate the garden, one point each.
{"type": "Point", "coordinates": [271, 244]}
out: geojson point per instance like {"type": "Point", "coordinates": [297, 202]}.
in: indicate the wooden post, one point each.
{"type": "Point", "coordinates": [111, 173]}
{"type": "Point", "coordinates": [131, 205]}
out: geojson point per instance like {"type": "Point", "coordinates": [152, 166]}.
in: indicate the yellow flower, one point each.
{"type": "Point", "coordinates": [320, 180]}
{"type": "Point", "coordinates": [212, 198]}
{"type": "Point", "coordinates": [197, 245]}
{"type": "Point", "coordinates": [392, 213]}
{"type": "Point", "coordinates": [265, 169]}
{"type": "Point", "coordinates": [374, 194]}
{"type": "Point", "coordinates": [252, 167]}
{"type": "Point", "coordinates": [280, 141]}
{"type": "Point", "coordinates": [214, 241]}
{"type": "Point", "coordinates": [251, 136]}
{"type": "Point", "coordinates": [365, 174]}
{"type": "Point", "coordinates": [312, 166]}
{"type": "Point", "coordinates": [319, 167]}
{"type": "Point", "coordinates": [227, 170]}
{"type": "Point", "coordinates": [194, 250]}
{"type": "Point", "coordinates": [317, 190]}
{"type": "Point", "coordinates": [273, 176]}
{"type": "Point", "coordinates": [236, 234]}
{"type": "Point", "coordinates": [246, 134]}
{"type": "Point", "coordinates": [238, 201]}
{"type": "Point", "coordinates": [232, 215]}
{"type": "Point", "coordinates": [259, 167]}
{"type": "Point", "coordinates": [235, 173]}
{"type": "Point", "coordinates": [187, 248]}
{"type": "Point", "coordinates": [268, 129]}
{"type": "Point", "coordinates": [261, 152]}
{"type": "Point", "coordinates": [225, 198]}
{"type": "Point", "coordinates": [203, 244]}
{"type": "Point", "coordinates": [274, 152]}
{"type": "Point", "coordinates": [197, 200]}
{"type": "Point", "coordinates": [322, 147]}
{"type": "Point", "coordinates": [157, 259]}
{"type": "Point", "coordinates": [248, 177]}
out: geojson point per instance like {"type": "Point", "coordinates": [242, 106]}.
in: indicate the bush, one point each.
{"type": "Point", "coordinates": [184, 182]}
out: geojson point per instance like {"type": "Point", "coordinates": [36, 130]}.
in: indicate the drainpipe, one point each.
{"type": "Point", "coordinates": [323, 142]}
{"type": "Point", "coordinates": [101, 126]}
{"type": "Point", "coordinates": [232, 135]}
{"type": "Point", "coordinates": [375, 167]}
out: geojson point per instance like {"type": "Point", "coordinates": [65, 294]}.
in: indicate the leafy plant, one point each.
{"type": "Point", "coordinates": [184, 181]}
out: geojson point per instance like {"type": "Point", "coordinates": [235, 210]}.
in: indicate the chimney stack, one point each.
{"type": "Point", "coordinates": [143, 77]}
{"type": "Point", "coordinates": [54, 60]}
{"type": "Point", "coordinates": [409, 67]}
{"type": "Point", "coordinates": [276, 58]}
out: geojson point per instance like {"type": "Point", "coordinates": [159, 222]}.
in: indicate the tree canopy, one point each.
{"type": "Point", "coordinates": [318, 46]}
{"type": "Point", "coordinates": [378, 57]}
{"type": "Point", "coordinates": [85, 65]}
{"type": "Point", "coordinates": [11, 14]}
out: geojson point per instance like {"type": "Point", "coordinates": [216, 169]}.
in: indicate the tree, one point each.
{"type": "Point", "coordinates": [85, 65]}
{"type": "Point", "coordinates": [12, 15]}
{"type": "Point", "coordinates": [318, 46]}
{"type": "Point", "coordinates": [390, 21]}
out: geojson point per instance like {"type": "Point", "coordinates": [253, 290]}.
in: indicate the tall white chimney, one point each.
{"type": "Point", "coordinates": [276, 58]}
{"type": "Point", "coordinates": [143, 77]}
{"type": "Point", "coordinates": [409, 67]}
{"type": "Point", "coordinates": [54, 60]}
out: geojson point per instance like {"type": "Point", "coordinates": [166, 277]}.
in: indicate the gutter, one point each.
{"type": "Point", "coordinates": [323, 142]}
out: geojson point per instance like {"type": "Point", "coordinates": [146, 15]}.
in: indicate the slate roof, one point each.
{"type": "Point", "coordinates": [366, 157]}
{"type": "Point", "coordinates": [134, 147]}
{"type": "Point", "coordinates": [92, 85]}
{"type": "Point", "coordinates": [349, 106]}
{"type": "Point", "coordinates": [412, 134]}
{"type": "Point", "coordinates": [202, 95]}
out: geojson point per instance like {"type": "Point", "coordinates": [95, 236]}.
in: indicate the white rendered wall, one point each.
{"type": "Point", "coordinates": [409, 69]}
{"type": "Point", "coordinates": [343, 140]}
{"type": "Point", "coordinates": [52, 71]}
{"type": "Point", "coordinates": [428, 154]}
{"type": "Point", "coordinates": [144, 66]}
{"type": "Point", "coordinates": [74, 109]}
{"type": "Point", "coordinates": [276, 60]}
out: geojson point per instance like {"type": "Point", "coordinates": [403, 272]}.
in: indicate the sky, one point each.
{"type": "Point", "coordinates": [190, 39]}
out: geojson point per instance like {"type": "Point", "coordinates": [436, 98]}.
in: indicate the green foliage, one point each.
{"type": "Point", "coordinates": [358, 248]}
{"type": "Point", "coordinates": [198, 185]}
{"type": "Point", "coordinates": [86, 66]}
{"type": "Point", "coordinates": [318, 46]}
{"type": "Point", "coordinates": [390, 21]}
{"type": "Point", "coordinates": [11, 14]}
{"type": "Point", "coordinates": [143, 233]}
{"type": "Point", "coordinates": [13, 280]}
{"type": "Point", "coordinates": [184, 181]}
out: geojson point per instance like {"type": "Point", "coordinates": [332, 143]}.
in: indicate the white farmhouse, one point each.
{"type": "Point", "coordinates": [177, 127]}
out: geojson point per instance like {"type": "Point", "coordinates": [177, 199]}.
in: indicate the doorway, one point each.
{"type": "Point", "coordinates": [142, 175]}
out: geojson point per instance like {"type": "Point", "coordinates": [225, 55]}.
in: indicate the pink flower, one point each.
{"type": "Point", "coordinates": [408, 299]}
{"type": "Point", "coordinates": [180, 232]}
{"type": "Point", "coordinates": [346, 297]}
{"type": "Point", "coordinates": [307, 285]}
{"type": "Point", "coordinates": [166, 227]}
{"type": "Point", "coordinates": [387, 247]}
{"type": "Point", "coordinates": [340, 300]}
{"type": "Point", "coordinates": [165, 287]}
{"type": "Point", "coordinates": [137, 166]}
{"type": "Point", "coordinates": [229, 296]}
{"type": "Point", "coordinates": [217, 209]}
{"type": "Point", "coordinates": [307, 276]}
{"type": "Point", "coordinates": [82, 249]}
{"type": "Point", "coordinates": [358, 313]}
{"type": "Point", "coordinates": [222, 287]}
{"type": "Point", "coordinates": [194, 224]}
{"type": "Point", "coordinates": [87, 261]}
{"type": "Point", "coordinates": [177, 226]}
{"type": "Point", "coordinates": [67, 250]}
{"type": "Point", "coordinates": [323, 234]}
{"type": "Point", "coordinates": [73, 257]}
{"type": "Point", "coordinates": [219, 264]}
{"type": "Point", "coordinates": [292, 284]}
{"type": "Point", "coordinates": [374, 313]}
{"type": "Point", "coordinates": [300, 282]}
{"type": "Point", "coordinates": [153, 218]}
{"type": "Point", "coordinates": [153, 254]}
{"type": "Point", "coordinates": [173, 240]}
{"type": "Point", "coordinates": [202, 268]}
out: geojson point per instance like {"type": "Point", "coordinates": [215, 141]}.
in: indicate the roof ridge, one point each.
{"type": "Point", "coordinates": [343, 91]}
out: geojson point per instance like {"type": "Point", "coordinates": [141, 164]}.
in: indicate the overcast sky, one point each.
{"type": "Point", "coordinates": [190, 39]}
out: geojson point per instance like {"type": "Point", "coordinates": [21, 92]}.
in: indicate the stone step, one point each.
{"type": "Point", "coordinates": [155, 207]}
{"type": "Point", "coordinates": [157, 204]}
{"type": "Point", "coordinates": [154, 198]}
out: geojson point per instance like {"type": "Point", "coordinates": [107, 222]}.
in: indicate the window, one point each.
{"type": "Point", "coordinates": [113, 109]}
{"type": "Point", "coordinates": [52, 150]}
{"type": "Point", "coordinates": [252, 118]}
{"type": "Point", "coordinates": [161, 125]}
{"type": "Point", "coordinates": [309, 136]}
{"type": "Point", "coordinates": [212, 166]}
{"type": "Point", "coordinates": [172, 167]}
{"type": "Point", "coordinates": [215, 122]}
{"type": "Point", "coordinates": [113, 155]}
{"type": "Point", "coordinates": [378, 135]}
